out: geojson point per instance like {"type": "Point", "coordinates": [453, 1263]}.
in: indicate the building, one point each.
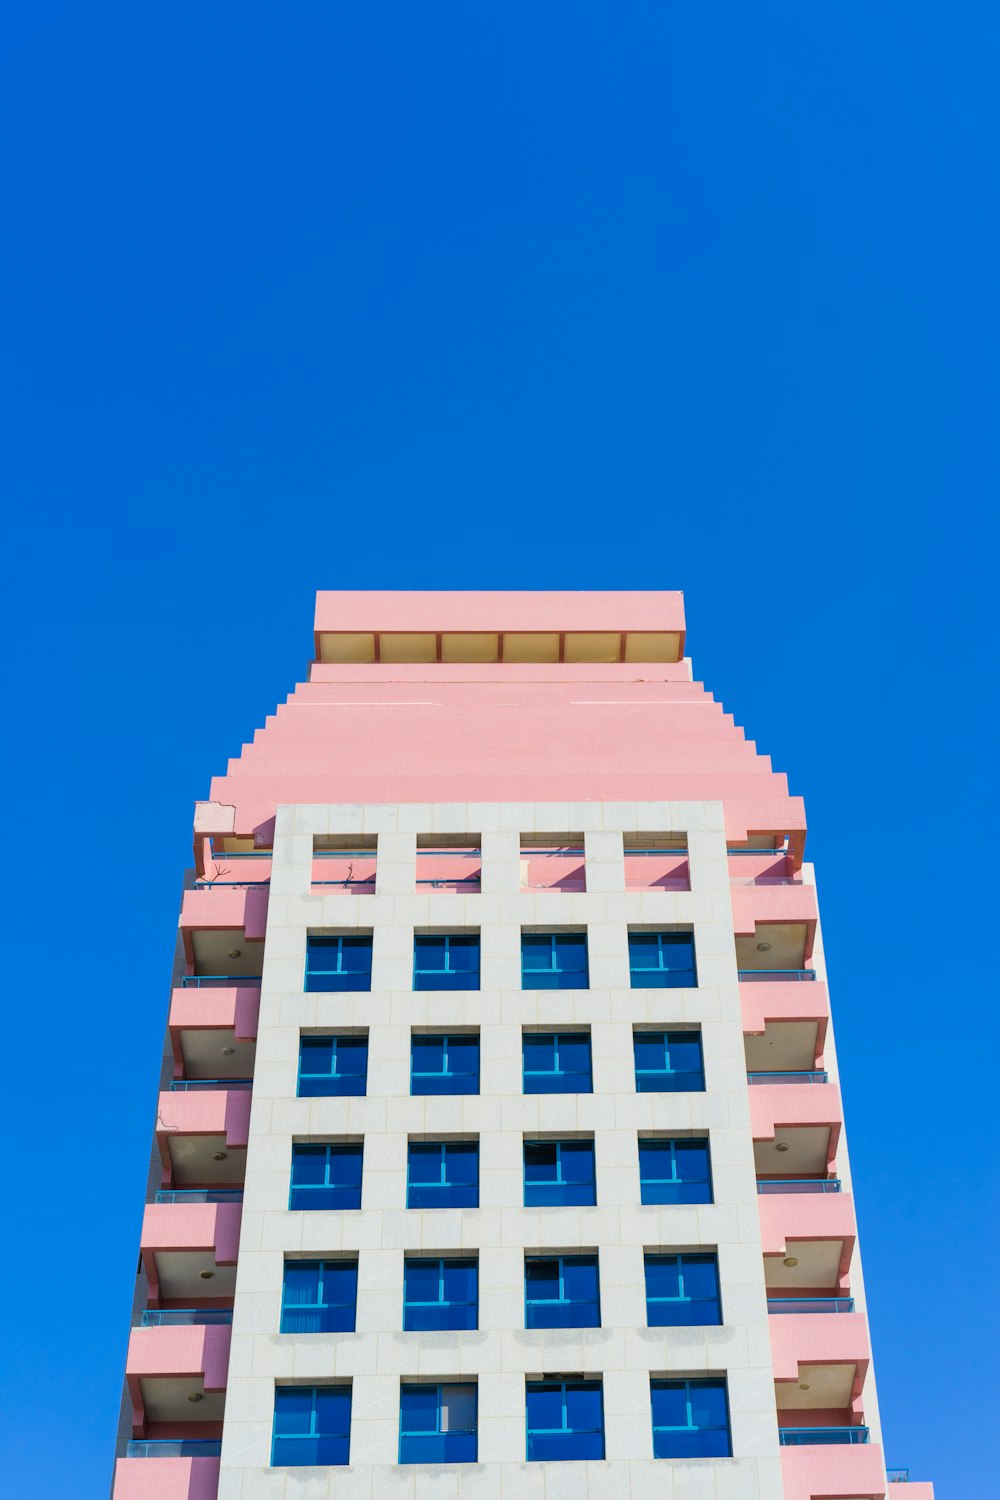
{"type": "Point", "coordinates": [499, 1145]}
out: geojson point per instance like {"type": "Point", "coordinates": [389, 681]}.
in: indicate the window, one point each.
{"type": "Point", "coordinates": [661, 960]}
{"type": "Point", "coordinates": [674, 1171]}
{"type": "Point", "coordinates": [440, 1294]}
{"type": "Point", "coordinates": [339, 963]}
{"type": "Point", "coordinates": [559, 1174]}
{"type": "Point", "coordinates": [565, 1419]}
{"type": "Point", "coordinates": [668, 1062]}
{"type": "Point", "coordinates": [312, 1425]}
{"type": "Point", "coordinates": [446, 962]}
{"type": "Point", "coordinates": [682, 1291]}
{"type": "Point", "coordinates": [326, 1176]}
{"type": "Point", "coordinates": [561, 1291]}
{"type": "Point", "coordinates": [444, 1064]}
{"type": "Point", "coordinates": [319, 1296]}
{"type": "Point", "coordinates": [443, 1174]}
{"type": "Point", "coordinates": [554, 961]}
{"type": "Point", "coordinates": [690, 1419]}
{"type": "Point", "coordinates": [332, 1066]}
{"type": "Point", "coordinates": [556, 1062]}
{"type": "Point", "coordinates": [437, 1424]}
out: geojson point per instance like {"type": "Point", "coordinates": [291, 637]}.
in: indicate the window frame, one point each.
{"type": "Point", "coordinates": [464, 940]}
{"type": "Point", "coordinates": [557, 1038]}
{"type": "Point", "coordinates": [438, 1386]}
{"type": "Point", "coordinates": [448, 1038]}
{"type": "Point", "coordinates": [313, 1435]}
{"type": "Point", "coordinates": [559, 1181]}
{"type": "Point", "coordinates": [443, 1262]}
{"type": "Point", "coordinates": [667, 1073]}
{"type": "Point", "coordinates": [530, 978]}
{"type": "Point", "coordinates": [563, 1301]}
{"type": "Point", "coordinates": [652, 1257]}
{"type": "Point", "coordinates": [356, 941]}
{"type": "Point", "coordinates": [349, 1325]}
{"type": "Point", "coordinates": [564, 1386]}
{"type": "Point", "coordinates": [358, 1040]}
{"type": "Point", "coordinates": [681, 1182]}
{"type": "Point", "coordinates": [443, 1148]}
{"type": "Point", "coordinates": [333, 1149]}
{"type": "Point", "coordinates": [664, 981]}
{"type": "Point", "coordinates": [715, 1382]}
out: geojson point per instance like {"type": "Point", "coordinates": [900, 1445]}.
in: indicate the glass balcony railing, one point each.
{"type": "Point", "coordinates": [774, 976]}
{"type": "Point", "coordinates": [804, 1075]}
{"type": "Point", "coordinates": [185, 1317]}
{"type": "Point", "coordinates": [898, 1476]}
{"type": "Point", "coordinates": [796, 1437]}
{"type": "Point", "coordinates": [220, 981]}
{"type": "Point", "coordinates": [202, 1085]}
{"type": "Point", "coordinates": [798, 1185]}
{"type": "Point", "coordinates": [810, 1304]}
{"type": "Point", "coordinates": [174, 1448]}
{"type": "Point", "coordinates": [199, 1195]}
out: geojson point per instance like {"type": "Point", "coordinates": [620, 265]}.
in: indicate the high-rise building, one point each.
{"type": "Point", "coordinates": [499, 1147]}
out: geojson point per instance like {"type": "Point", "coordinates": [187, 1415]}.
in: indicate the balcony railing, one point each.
{"type": "Point", "coordinates": [199, 1195]}
{"type": "Point", "coordinates": [898, 1476]}
{"type": "Point", "coordinates": [448, 876]}
{"type": "Point", "coordinates": [810, 1304]}
{"type": "Point", "coordinates": [240, 885]}
{"type": "Point", "coordinates": [174, 1448]}
{"type": "Point", "coordinates": [766, 880]}
{"type": "Point", "coordinates": [798, 1185]}
{"type": "Point", "coordinates": [774, 976]}
{"type": "Point", "coordinates": [796, 1437]}
{"type": "Point", "coordinates": [802, 1075]}
{"type": "Point", "coordinates": [219, 981]}
{"type": "Point", "coordinates": [200, 1085]}
{"type": "Point", "coordinates": [185, 1317]}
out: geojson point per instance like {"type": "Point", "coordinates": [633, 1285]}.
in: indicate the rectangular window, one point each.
{"type": "Point", "coordinates": [565, 1419]}
{"type": "Point", "coordinates": [440, 1295]}
{"type": "Point", "coordinates": [319, 1296]}
{"type": "Point", "coordinates": [332, 1066]}
{"type": "Point", "coordinates": [690, 1419]}
{"type": "Point", "coordinates": [556, 1062]}
{"type": "Point", "coordinates": [668, 1062]}
{"type": "Point", "coordinates": [682, 1291]}
{"type": "Point", "coordinates": [554, 961]}
{"type": "Point", "coordinates": [326, 1176]}
{"type": "Point", "coordinates": [559, 1174]}
{"type": "Point", "coordinates": [446, 961]}
{"type": "Point", "coordinates": [437, 1424]}
{"type": "Point", "coordinates": [561, 1291]}
{"type": "Point", "coordinates": [661, 960]}
{"type": "Point", "coordinates": [443, 1174]}
{"type": "Point", "coordinates": [444, 1064]}
{"type": "Point", "coordinates": [674, 1171]}
{"type": "Point", "coordinates": [339, 963]}
{"type": "Point", "coordinates": [312, 1425]}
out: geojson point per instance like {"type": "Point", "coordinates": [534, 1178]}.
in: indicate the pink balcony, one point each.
{"type": "Point", "coordinates": [558, 866]}
{"type": "Point", "coordinates": [177, 1375]}
{"type": "Point", "coordinates": [807, 1238]}
{"type": "Point", "coordinates": [763, 867]}
{"type": "Point", "coordinates": [820, 1361]}
{"type": "Point", "coordinates": [922, 1489]}
{"type": "Point", "coordinates": [189, 1249]}
{"type": "Point", "coordinates": [775, 930]}
{"type": "Point", "coordinates": [652, 868]}
{"type": "Point", "coordinates": [795, 1129]}
{"type": "Point", "coordinates": [784, 1025]}
{"type": "Point", "coordinates": [831, 1471]}
{"type": "Point", "coordinates": [166, 1479]}
{"type": "Point", "coordinates": [202, 1136]}
{"type": "Point", "coordinates": [348, 872]}
{"type": "Point", "coordinates": [456, 870]}
{"type": "Point", "coordinates": [213, 1030]}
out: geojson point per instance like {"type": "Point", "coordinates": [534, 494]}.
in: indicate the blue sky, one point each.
{"type": "Point", "coordinates": [683, 295]}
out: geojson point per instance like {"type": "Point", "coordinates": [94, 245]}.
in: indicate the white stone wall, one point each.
{"type": "Point", "coordinates": [501, 1354]}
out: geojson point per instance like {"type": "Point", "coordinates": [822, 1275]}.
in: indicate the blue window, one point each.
{"type": "Point", "coordinates": [440, 1294]}
{"type": "Point", "coordinates": [326, 1176]}
{"type": "Point", "coordinates": [443, 962]}
{"type": "Point", "coordinates": [668, 1062]}
{"type": "Point", "coordinates": [690, 1419]}
{"type": "Point", "coordinates": [312, 1425]}
{"type": "Point", "coordinates": [559, 1174]}
{"type": "Point", "coordinates": [661, 960]}
{"type": "Point", "coordinates": [332, 1065]}
{"type": "Point", "coordinates": [444, 1064]}
{"type": "Point", "coordinates": [561, 1291]}
{"type": "Point", "coordinates": [554, 961]}
{"type": "Point", "coordinates": [556, 1062]}
{"type": "Point", "coordinates": [339, 963]}
{"type": "Point", "coordinates": [565, 1419]}
{"type": "Point", "coordinates": [437, 1424]}
{"type": "Point", "coordinates": [319, 1296]}
{"type": "Point", "coordinates": [682, 1291]}
{"type": "Point", "coordinates": [443, 1174]}
{"type": "Point", "coordinates": [674, 1171]}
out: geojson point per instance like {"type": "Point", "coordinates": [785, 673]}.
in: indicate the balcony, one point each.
{"type": "Point", "coordinates": [339, 870]}
{"type": "Point", "coordinates": [830, 1461]}
{"type": "Point", "coordinates": [793, 1076]}
{"type": "Point", "coordinates": [456, 870]}
{"type": "Point", "coordinates": [774, 976]}
{"type": "Point", "coordinates": [820, 1362]}
{"type": "Point", "coordinates": [763, 867]}
{"type": "Point", "coordinates": [784, 1025]}
{"type": "Point", "coordinates": [158, 1471]}
{"type": "Point", "coordinates": [216, 920]}
{"type": "Point", "coordinates": [915, 1489]}
{"type": "Point", "coordinates": [807, 1238]}
{"type": "Point", "coordinates": [795, 1129]}
{"type": "Point", "coordinates": [189, 1245]}
{"type": "Point", "coordinates": [186, 1317]}
{"type": "Point", "coordinates": [656, 864]}
{"type": "Point", "coordinates": [177, 1375]}
{"type": "Point", "coordinates": [203, 1136]}
{"type": "Point", "coordinates": [775, 925]}
{"type": "Point", "coordinates": [796, 1306]}
{"type": "Point", "coordinates": [213, 1029]}
{"type": "Point", "coordinates": [822, 1437]}
{"type": "Point", "coordinates": [555, 866]}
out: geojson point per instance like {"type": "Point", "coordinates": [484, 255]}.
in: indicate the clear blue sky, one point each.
{"type": "Point", "coordinates": [679, 294]}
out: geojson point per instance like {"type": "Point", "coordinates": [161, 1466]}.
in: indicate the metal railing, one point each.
{"type": "Point", "coordinates": [239, 885]}
{"type": "Point", "coordinates": [810, 1304]}
{"type": "Point", "coordinates": [174, 1448]}
{"type": "Point", "coordinates": [185, 1317]}
{"type": "Point", "coordinates": [898, 1476]}
{"type": "Point", "coordinates": [801, 1075]}
{"type": "Point", "coordinates": [794, 1437]}
{"type": "Point", "coordinates": [199, 1195]}
{"type": "Point", "coordinates": [798, 1185]}
{"type": "Point", "coordinates": [773, 976]}
{"type": "Point", "coordinates": [210, 1085]}
{"type": "Point", "coordinates": [766, 880]}
{"type": "Point", "coordinates": [219, 981]}
{"type": "Point", "coordinates": [770, 853]}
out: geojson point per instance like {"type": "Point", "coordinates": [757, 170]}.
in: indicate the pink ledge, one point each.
{"type": "Point", "coordinates": [775, 1104]}
{"type": "Point", "coordinates": [498, 610]}
{"type": "Point", "coordinates": [235, 1010]}
{"type": "Point", "coordinates": [214, 1227]}
{"type": "Point", "coordinates": [785, 1219]}
{"type": "Point", "coordinates": [831, 1471]}
{"type": "Point", "coordinates": [922, 1490]}
{"type": "Point", "coordinates": [819, 1339]}
{"type": "Point", "coordinates": [226, 907]}
{"type": "Point", "coordinates": [205, 1112]}
{"type": "Point", "coordinates": [784, 1002]}
{"type": "Point", "coordinates": [166, 1479]}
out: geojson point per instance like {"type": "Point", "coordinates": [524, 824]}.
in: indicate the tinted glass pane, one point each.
{"type": "Point", "coordinates": [356, 955]}
{"type": "Point", "coordinates": [333, 1409]}
{"type": "Point", "coordinates": [308, 1165]}
{"type": "Point", "coordinates": [669, 1400]}
{"type": "Point", "coordinates": [580, 1278]}
{"type": "Point", "coordinates": [564, 1447]}
{"type": "Point", "coordinates": [425, 1162]}
{"type": "Point", "coordinates": [428, 1054]}
{"type": "Point", "coordinates": [536, 951]}
{"type": "Point", "coordinates": [540, 1160]}
{"type": "Point", "coordinates": [301, 1281]}
{"type": "Point", "coordinates": [574, 1051]}
{"type": "Point", "coordinates": [316, 1054]}
{"type": "Point", "coordinates": [577, 1161]}
{"type": "Point", "coordinates": [458, 1408]}
{"type": "Point", "coordinates": [649, 1051]}
{"type": "Point", "coordinates": [643, 950]}
{"type": "Point", "coordinates": [419, 1408]}
{"type": "Point", "coordinates": [545, 1407]}
{"type": "Point", "coordinates": [461, 1163]}
{"type": "Point", "coordinates": [464, 955]}
{"type": "Point", "coordinates": [345, 1166]}
{"type": "Point", "coordinates": [571, 951]}
{"type": "Point", "coordinates": [692, 1160]}
{"type": "Point", "coordinates": [662, 1278]}
{"type": "Point", "coordinates": [583, 1406]}
{"type": "Point", "coordinates": [539, 1052]}
{"type": "Point", "coordinates": [461, 1281]}
{"type": "Point", "coordinates": [708, 1403]}
{"type": "Point", "coordinates": [690, 1444]}
{"type": "Point", "coordinates": [429, 951]}
{"type": "Point", "coordinates": [701, 1276]}
{"type": "Point", "coordinates": [677, 949]}
{"type": "Point", "coordinates": [685, 1051]}
{"type": "Point", "coordinates": [541, 1278]}
{"type": "Point", "coordinates": [421, 1280]}
{"type": "Point", "coordinates": [292, 1409]}
{"type": "Point", "coordinates": [352, 1056]}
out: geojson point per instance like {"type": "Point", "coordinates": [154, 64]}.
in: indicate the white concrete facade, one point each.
{"type": "Point", "coordinates": [501, 1354]}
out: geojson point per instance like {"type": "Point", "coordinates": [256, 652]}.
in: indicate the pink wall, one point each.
{"type": "Point", "coordinates": [819, 1339]}
{"type": "Point", "coordinates": [205, 1112]}
{"type": "Point", "coordinates": [166, 1479]}
{"type": "Point", "coordinates": [785, 1002]}
{"type": "Point", "coordinates": [831, 1471]}
{"type": "Point", "coordinates": [499, 609]}
{"type": "Point", "coordinates": [220, 1009]}
{"type": "Point", "coordinates": [784, 1219]}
